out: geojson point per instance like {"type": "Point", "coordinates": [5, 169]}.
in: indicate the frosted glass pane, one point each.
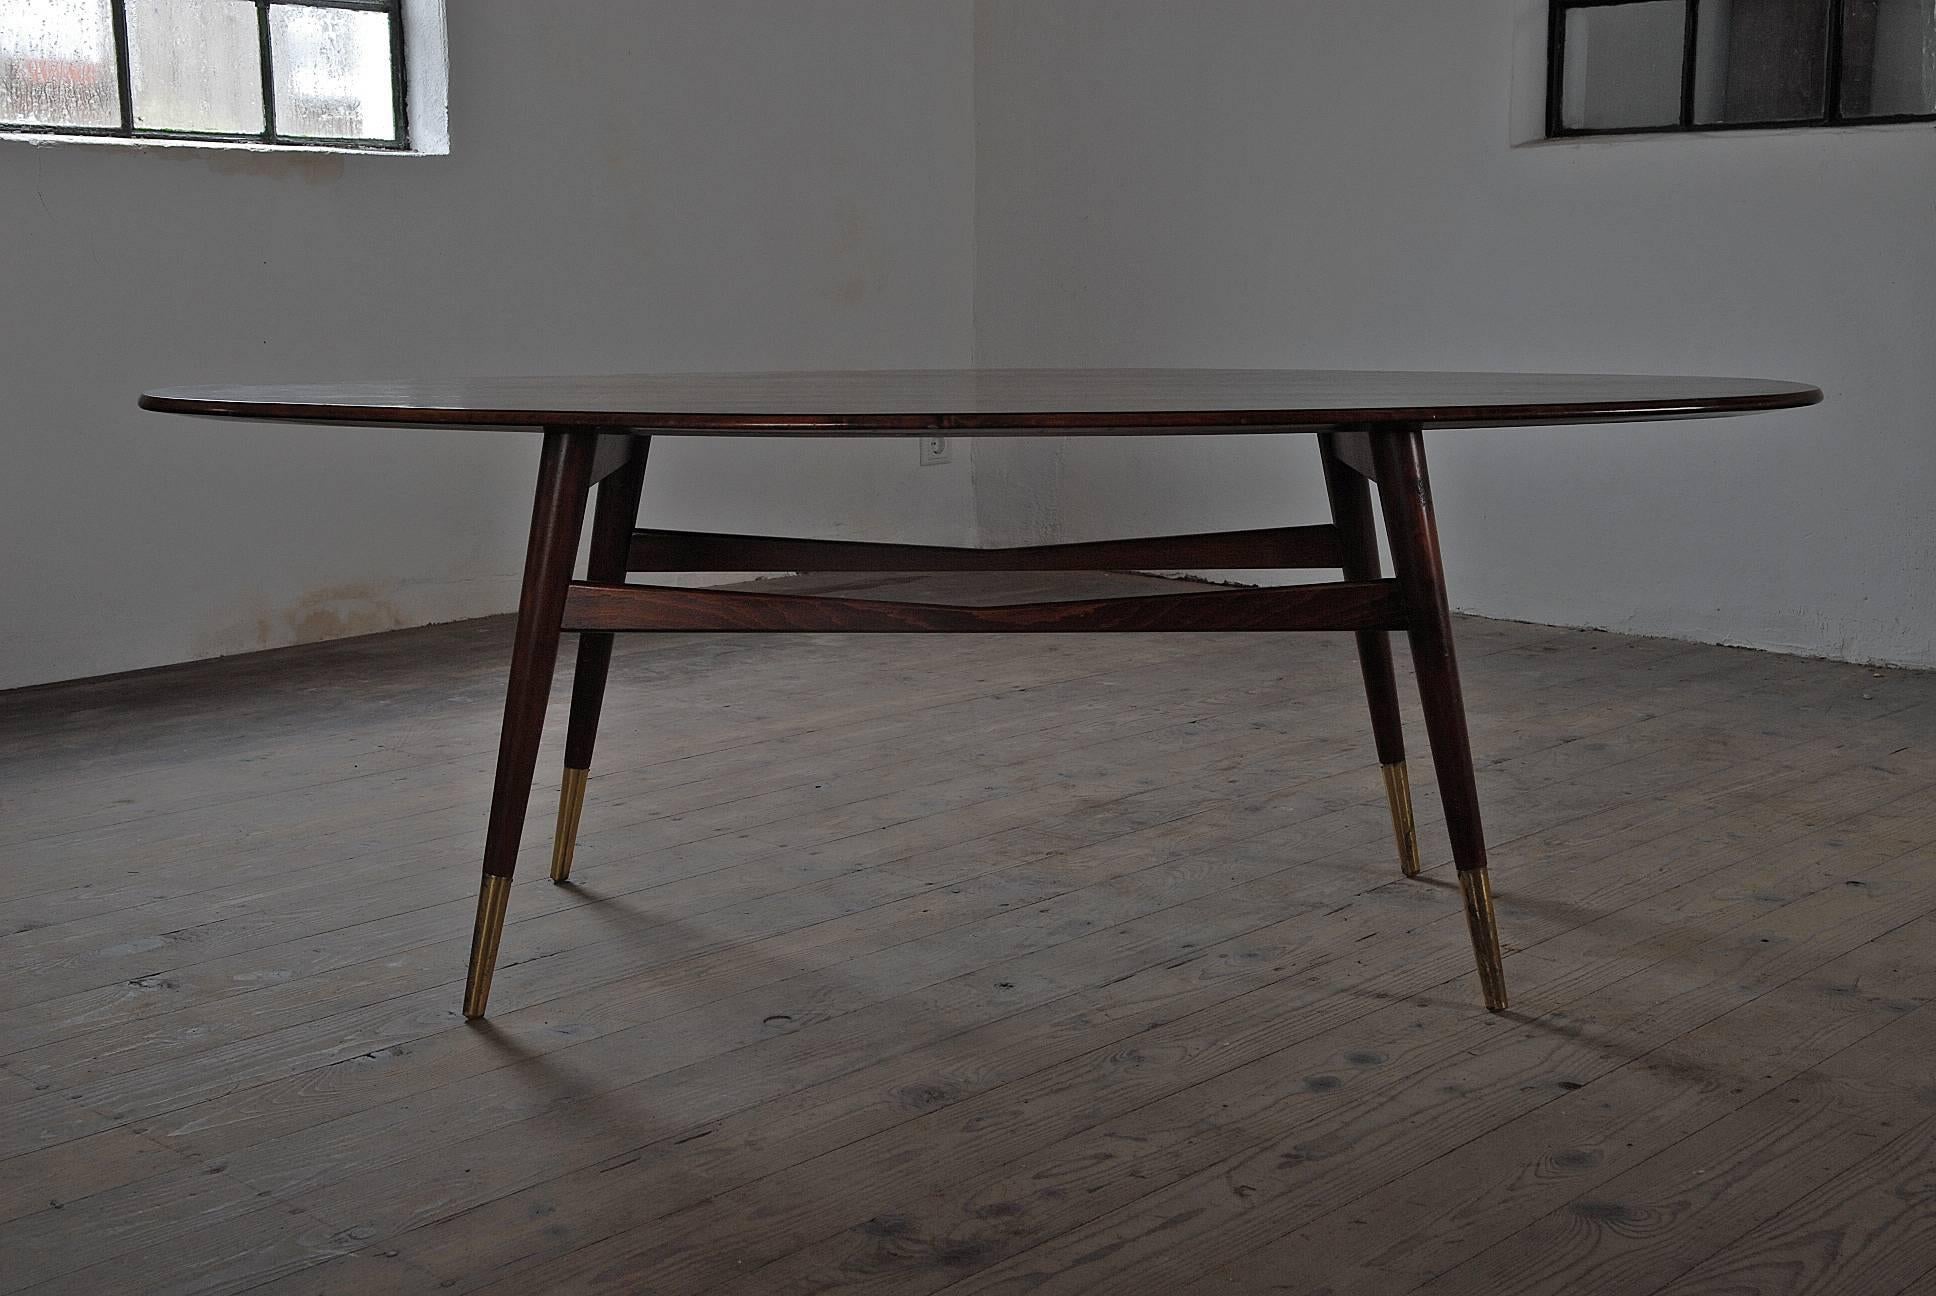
{"type": "Point", "coordinates": [196, 65]}
{"type": "Point", "coordinates": [57, 63]}
{"type": "Point", "coordinates": [1761, 61]}
{"type": "Point", "coordinates": [1623, 65]}
{"type": "Point", "coordinates": [1888, 58]}
{"type": "Point", "coordinates": [332, 73]}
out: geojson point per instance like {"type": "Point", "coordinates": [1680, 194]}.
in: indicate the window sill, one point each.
{"type": "Point", "coordinates": [47, 138]}
{"type": "Point", "coordinates": [1726, 132]}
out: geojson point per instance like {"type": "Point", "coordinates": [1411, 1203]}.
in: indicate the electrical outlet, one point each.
{"type": "Point", "coordinates": [935, 450]}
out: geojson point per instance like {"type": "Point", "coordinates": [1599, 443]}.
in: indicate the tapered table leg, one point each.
{"type": "Point", "coordinates": [1357, 532]}
{"type": "Point", "coordinates": [612, 524]}
{"type": "Point", "coordinates": [1405, 491]}
{"type": "Point", "coordinates": [564, 478]}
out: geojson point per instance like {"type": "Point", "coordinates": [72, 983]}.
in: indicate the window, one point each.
{"type": "Point", "coordinates": [272, 71]}
{"type": "Point", "coordinates": [1629, 66]}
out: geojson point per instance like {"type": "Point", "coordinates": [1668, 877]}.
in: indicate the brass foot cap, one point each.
{"type": "Point", "coordinates": [571, 805]}
{"type": "Point", "coordinates": [491, 901]}
{"type": "Point", "coordinates": [1475, 886]}
{"type": "Point", "coordinates": [1398, 791]}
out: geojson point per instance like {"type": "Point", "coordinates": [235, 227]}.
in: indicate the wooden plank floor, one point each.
{"type": "Point", "coordinates": [983, 964]}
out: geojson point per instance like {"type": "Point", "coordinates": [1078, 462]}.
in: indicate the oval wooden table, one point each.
{"type": "Point", "coordinates": [1370, 429]}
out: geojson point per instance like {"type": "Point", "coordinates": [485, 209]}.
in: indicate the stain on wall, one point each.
{"type": "Point", "coordinates": [328, 612]}
{"type": "Point", "coordinates": [313, 168]}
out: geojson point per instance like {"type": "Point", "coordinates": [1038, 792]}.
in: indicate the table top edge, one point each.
{"type": "Point", "coordinates": [224, 402]}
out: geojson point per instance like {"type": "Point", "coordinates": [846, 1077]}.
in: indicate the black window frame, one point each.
{"type": "Point", "coordinates": [399, 89]}
{"type": "Point", "coordinates": [1832, 115]}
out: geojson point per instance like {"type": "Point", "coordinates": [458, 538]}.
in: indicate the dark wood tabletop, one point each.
{"type": "Point", "coordinates": [1009, 402]}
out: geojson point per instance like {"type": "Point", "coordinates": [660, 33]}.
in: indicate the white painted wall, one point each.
{"type": "Point", "coordinates": [635, 184]}
{"type": "Point", "coordinates": [1336, 183]}
{"type": "Point", "coordinates": [684, 184]}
